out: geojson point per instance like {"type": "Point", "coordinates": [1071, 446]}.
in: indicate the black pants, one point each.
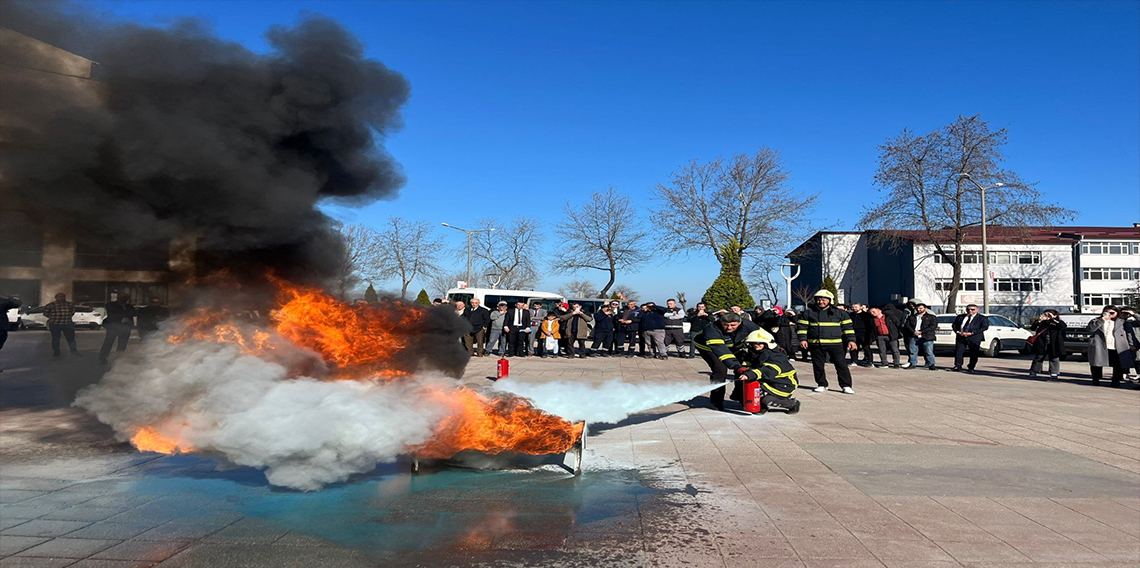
{"type": "Point", "coordinates": [719, 375]}
{"type": "Point", "coordinates": [119, 332]}
{"type": "Point", "coordinates": [961, 347]}
{"type": "Point", "coordinates": [675, 336]}
{"type": "Point", "coordinates": [68, 332]}
{"type": "Point", "coordinates": [516, 341]}
{"type": "Point", "coordinates": [865, 349]}
{"type": "Point", "coordinates": [603, 339]}
{"type": "Point", "coordinates": [581, 343]}
{"type": "Point", "coordinates": [629, 337]}
{"type": "Point", "coordinates": [838, 355]}
{"type": "Point", "coordinates": [1117, 369]}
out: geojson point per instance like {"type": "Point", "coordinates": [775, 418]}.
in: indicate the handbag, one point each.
{"type": "Point", "coordinates": [551, 344]}
{"type": "Point", "coordinates": [1033, 339]}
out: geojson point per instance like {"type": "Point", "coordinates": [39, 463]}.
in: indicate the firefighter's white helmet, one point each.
{"type": "Point", "coordinates": [825, 294]}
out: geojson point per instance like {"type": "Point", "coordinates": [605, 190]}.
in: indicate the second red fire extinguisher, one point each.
{"type": "Point", "coordinates": [504, 369]}
{"type": "Point", "coordinates": [752, 396]}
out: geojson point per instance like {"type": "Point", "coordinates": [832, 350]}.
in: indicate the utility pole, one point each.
{"type": "Point", "coordinates": [788, 278]}
{"type": "Point", "coordinates": [469, 235]}
{"type": "Point", "coordinates": [985, 253]}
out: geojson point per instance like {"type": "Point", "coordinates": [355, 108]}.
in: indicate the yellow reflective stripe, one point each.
{"type": "Point", "coordinates": [846, 321]}
{"type": "Point", "coordinates": [825, 323]}
{"type": "Point", "coordinates": [805, 322]}
{"type": "Point", "coordinates": [715, 342]}
{"type": "Point", "coordinates": [727, 356]}
{"type": "Point", "coordinates": [801, 331]}
{"type": "Point", "coordinates": [825, 341]}
{"type": "Point", "coordinates": [775, 391]}
{"type": "Point", "coordinates": [703, 348]}
{"type": "Point", "coordinates": [773, 365]}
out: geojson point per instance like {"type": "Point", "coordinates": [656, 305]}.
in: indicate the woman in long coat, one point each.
{"type": "Point", "coordinates": [1049, 345]}
{"type": "Point", "coordinates": [1110, 345]}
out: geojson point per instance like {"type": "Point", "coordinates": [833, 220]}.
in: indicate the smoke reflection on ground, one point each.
{"type": "Point", "coordinates": [391, 512]}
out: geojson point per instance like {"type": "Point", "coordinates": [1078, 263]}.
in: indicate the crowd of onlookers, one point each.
{"type": "Point", "coordinates": [633, 329]}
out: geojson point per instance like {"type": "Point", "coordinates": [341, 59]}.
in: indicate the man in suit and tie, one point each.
{"type": "Point", "coordinates": [969, 331]}
{"type": "Point", "coordinates": [517, 327]}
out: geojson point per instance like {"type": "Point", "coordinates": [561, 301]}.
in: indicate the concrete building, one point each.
{"type": "Point", "coordinates": [37, 259]}
{"type": "Point", "coordinates": [1031, 269]}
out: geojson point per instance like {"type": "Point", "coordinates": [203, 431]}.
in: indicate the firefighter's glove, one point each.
{"type": "Point", "coordinates": [741, 370]}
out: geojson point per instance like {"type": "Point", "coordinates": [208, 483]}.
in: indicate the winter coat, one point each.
{"type": "Point", "coordinates": [893, 312]}
{"type": "Point", "coordinates": [583, 331]}
{"type": "Point", "coordinates": [698, 322]}
{"type": "Point", "coordinates": [552, 327]}
{"type": "Point", "coordinates": [1050, 338]}
{"type": "Point", "coordinates": [892, 328]}
{"type": "Point", "coordinates": [928, 330]}
{"type": "Point", "coordinates": [603, 322]}
{"type": "Point", "coordinates": [479, 318]}
{"type": "Point", "coordinates": [1098, 348]}
{"type": "Point", "coordinates": [675, 318]}
{"type": "Point", "coordinates": [786, 334]}
{"type": "Point", "coordinates": [977, 327]}
{"type": "Point", "coordinates": [509, 321]}
{"type": "Point", "coordinates": [723, 345]}
{"type": "Point", "coordinates": [653, 319]}
{"type": "Point", "coordinates": [119, 313]}
{"type": "Point", "coordinates": [860, 322]}
{"type": "Point", "coordinates": [634, 317]}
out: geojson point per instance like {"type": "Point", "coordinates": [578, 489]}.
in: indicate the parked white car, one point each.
{"type": "Point", "coordinates": [85, 316]}
{"type": "Point", "coordinates": [1003, 335]}
{"type": "Point", "coordinates": [14, 318]}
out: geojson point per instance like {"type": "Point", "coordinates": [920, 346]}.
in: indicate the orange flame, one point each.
{"type": "Point", "coordinates": [203, 325]}
{"type": "Point", "coordinates": [148, 439]}
{"type": "Point", "coordinates": [497, 425]}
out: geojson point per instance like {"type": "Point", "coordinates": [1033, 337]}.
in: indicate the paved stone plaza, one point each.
{"type": "Point", "coordinates": [919, 468]}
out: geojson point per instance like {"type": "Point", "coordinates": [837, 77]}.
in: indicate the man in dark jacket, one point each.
{"type": "Point", "coordinates": [118, 323]}
{"type": "Point", "coordinates": [969, 331]}
{"type": "Point", "coordinates": [826, 332]}
{"type": "Point", "coordinates": [864, 335]}
{"type": "Point", "coordinates": [920, 329]}
{"type": "Point", "coordinates": [603, 332]}
{"type": "Point", "coordinates": [886, 331]}
{"type": "Point", "coordinates": [698, 318]}
{"type": "Point", "coordinates": [653, 329]}
{"type": "Point", "coordinates": [479, 318]}
{"type": "Point", "coordinates": [517, 327]}
{"type": "Point", "coordinates": [630, 320]}
{"type": "Point", "coordinates": [718, 343]}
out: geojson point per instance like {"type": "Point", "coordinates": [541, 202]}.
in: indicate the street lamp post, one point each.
{"type": "Point", "coordinates": [469, 235]}
{"type": "Point", "coordinates": [788, 278]}
{"type": "Point", "coordinates": [985, 253]}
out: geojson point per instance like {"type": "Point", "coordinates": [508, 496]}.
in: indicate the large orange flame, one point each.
{"type": "Point", "coordinates": [496, 425]}
{"type": "Point", "coordinates": [148, 439]}
{"type": "Point", "coordinates": [363, 342]}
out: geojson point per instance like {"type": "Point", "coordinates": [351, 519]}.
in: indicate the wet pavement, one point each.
{"type": "Point", "coordinates": [918, 468]}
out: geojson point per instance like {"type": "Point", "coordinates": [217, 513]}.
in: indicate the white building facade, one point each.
{"type": "Point", "coordinates": [1030, 269]}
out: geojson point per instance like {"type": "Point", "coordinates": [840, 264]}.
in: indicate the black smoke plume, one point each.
{"type": "Point", "coordinates": [193, 135]}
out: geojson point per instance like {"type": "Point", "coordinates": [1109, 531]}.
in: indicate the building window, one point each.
{"type": "Point", "coordinates": [1015, 257]}
{"type": "Point", "coordinates": [27, 291]}
{"type": "Point", "coordinates": [151, 257]}
{"type": "Point", "coordinates": [968, 257]}
{"type": "Point", "coordinates": [1017, 284]}
{"type": "Point", "coordinates": [1103, 300]}
{"type": "Point", "coordinates": [966, 285]}
{"type": "Point", "coordinates": [1109, 247]}
{"type": "Point", "coordinates": [99, 291]}
{"type": "Point", "coordinates": [1110, 273]}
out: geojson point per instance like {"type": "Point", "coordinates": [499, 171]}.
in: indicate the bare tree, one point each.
{"type": "Point", "coordinates": [509, 253]}
{"type": "Point", "coordinates": [924, 191]}
{"type": "Point", "coordinates": [605, 233]}
{"type": "Point", "coordinates": [407, 250]}
{"type": "Point", "coordinates": [804, 293]}
{"type": "Point", "coordinates": [358, 257]}
{"type": "Point", "coordinates": [439, 282]}
{"type": "Point", "coordinates": [707, 206]}
{"type": "Point", "coordinates": [579, 289]}
{"type": "Point", "coordinates": [680, 297]}
{"type": "Point", "coordinates": [760, 278]}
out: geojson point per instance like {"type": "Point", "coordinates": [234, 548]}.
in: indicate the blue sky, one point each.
{"type": "Point", "coordinates": [518, 107]}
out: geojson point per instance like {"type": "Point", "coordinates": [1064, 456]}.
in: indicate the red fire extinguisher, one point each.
{"type": "Point", "coordinates": [752, 396]}
{"type": "Point", "coordinates": [504, 369]}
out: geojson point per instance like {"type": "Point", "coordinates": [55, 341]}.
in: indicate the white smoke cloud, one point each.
{"type": "Point", "coordinates": [304, 432]}
{"type": "Point", "coordinates": [609, 402]}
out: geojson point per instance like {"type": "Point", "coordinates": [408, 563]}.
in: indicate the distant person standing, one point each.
{"type": "Point", "coordinates": [1110, 345]}
{"type": "Point", "coordinates": [6, 304]}
{"type": "Point", "coordinates": [150, 315]}
{"type": "Point", "coordinates": [886, 331]}
{"type": "Point", "coordinates": [119, 322]}
{"type": "Point", "coordinates": [698, 319]}
{"type": "Point", "coordinates": [497, 344]}
{"type": "Point", "coordinates": [864, 335]}
{"type": "Point", "coordinates": [479, 318]}
{"type": "Point", "coordinates": [675, 327]}
{"type": "Point", "coordinates": [920, 329]}
{"type": "Point", "coordinates": [59, 316]}
{"type": "Point", "coordinates": [653, 329]}
{"type": "Point", "coordinates": [969, 331]}
{"type": "Point", "coordinates": [1048, 344]}
{"type": "Point", "coordinates": [575, 328]}
{"type": "Point", "coordinates": [517, 328]}
{"type": "Point", "coordinates": [603, 332]}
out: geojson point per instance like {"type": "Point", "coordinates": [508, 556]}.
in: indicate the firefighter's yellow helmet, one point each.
{"type": "Point", "coordinates": [824, 294]}
{"type": "Point", "coordinates": [761, 336]}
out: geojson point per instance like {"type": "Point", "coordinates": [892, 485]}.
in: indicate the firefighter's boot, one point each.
{"type": "Point", "coordinates": [773, 402]}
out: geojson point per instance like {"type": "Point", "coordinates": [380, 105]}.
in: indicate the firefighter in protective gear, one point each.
{"type": "Point", "coordinates": [764, 362]}
{"type": "Point", "coordinates": [824, 330]}
{"type": "Point", "coordinates": [718, 343]}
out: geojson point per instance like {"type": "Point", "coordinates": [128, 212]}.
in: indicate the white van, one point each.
{"type": "Point", "coordinates": [490, 297]}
